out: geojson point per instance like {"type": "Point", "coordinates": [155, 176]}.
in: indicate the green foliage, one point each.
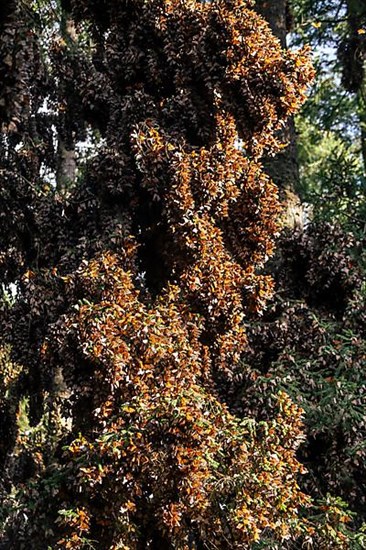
{"type": "Point", "coordinates": [332, 177]}
{"type": "Point", "coordinates": [330, 126]}
{"type": "Point", "coordinates": [311, 344]}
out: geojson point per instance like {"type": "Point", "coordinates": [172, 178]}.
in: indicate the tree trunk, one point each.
{"type": "Point", "coordinates": [354, 63]}
{"type": "Point", "coordinates": [66, 154]}
{"type": "Point", "coordinates": [66, 169]}
{"type": "Point", "coordinates": [275, 12]}
{"type": "Point", "coordinates": [362, 117]}
{"type": "Point", "coordinates": [284, 168]}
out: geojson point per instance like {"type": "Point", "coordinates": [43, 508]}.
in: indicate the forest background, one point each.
{"type": "Point", "coordinates": [307, 344]}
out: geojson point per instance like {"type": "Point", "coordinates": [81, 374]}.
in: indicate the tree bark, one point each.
{"type": "Point", "coordinates": [361, 100]}
{"type": "Point", "coordinates": [354, 63]}
{"type": "Point", "coordinates": [66, 169]}
{"type": "Point", "coordinates": [66, 154]}
{"type": "Point", "coordinates": [284, 168]}
{"type": "Point", "coordinates": [275, 12]}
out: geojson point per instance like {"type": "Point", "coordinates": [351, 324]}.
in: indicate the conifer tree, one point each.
{"type": "Point", "coordinates": [132, 279]}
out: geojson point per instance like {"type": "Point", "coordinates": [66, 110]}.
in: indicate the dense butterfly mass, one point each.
{"type": "Point", "coordinates": [128, 276]}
